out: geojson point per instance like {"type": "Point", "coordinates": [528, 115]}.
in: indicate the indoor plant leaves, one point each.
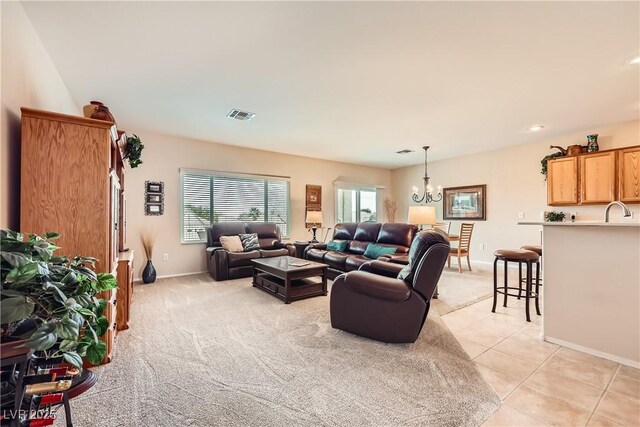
{"type": "Point", "coordinates": [133, 151]}
{"type": "Point", "coordinates": [15, 308]}
{"type": "Point", "coordinates": [57, 296]}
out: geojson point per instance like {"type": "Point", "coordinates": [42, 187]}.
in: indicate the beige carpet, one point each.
{"type": "Point", "coordinates": [204, 353]}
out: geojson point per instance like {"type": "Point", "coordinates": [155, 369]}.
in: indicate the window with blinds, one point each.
{"type": "Point", "coordinates": [209, 198]}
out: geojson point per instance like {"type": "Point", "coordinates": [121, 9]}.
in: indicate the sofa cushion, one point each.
{"type": "Point", "coordinates": [356, 247]}
{"type": "Point", "coordinates": [268, 233]}
{"type": "Point", "coordinates": [337, 245]}
{"type": "Point", "coordinates": [269, 253]}
{"type": "Point", "coordinates": [367, 231]}
{"type": "Point", "coordinates": [354, 262]}
{"type": "Point", "coordinates": [264, 230]}
{"type": "Point", "coordinates": [335, 260]}
{"type": "Point", "coordinates": [316, 255]}
{"type": "Point", "coordinates": [345, 231]}
{"type": "Point", "coordinates": [400, 235]}
{"type": "Point", "coordinates": [375, 251]}
{"type": "Point", "coordinates": [242, 258]}
{"type": "Point", "coordinates": [223, 229]}
{"type": "Point", "coordinates": [231, 243]}
{"type": "Point", "coordinates": [249, 241]}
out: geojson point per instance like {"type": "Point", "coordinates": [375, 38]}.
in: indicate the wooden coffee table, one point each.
{"type": "Point", "coordinates": [288, 282]}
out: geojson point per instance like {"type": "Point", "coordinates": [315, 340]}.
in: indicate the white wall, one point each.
{"type": "Point", "coordinates": [29, 79]}
{"type": "Point", "coordinates": [163, 156]}
{"type": "Point", "coordinates": [514, 184]}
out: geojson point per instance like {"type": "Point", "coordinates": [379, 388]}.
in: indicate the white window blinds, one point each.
{"type": "Point", "coordinates": [209, 198]}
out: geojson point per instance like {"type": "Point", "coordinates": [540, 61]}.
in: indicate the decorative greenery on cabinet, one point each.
{"type": "Point", "coordinates": [133, 152]}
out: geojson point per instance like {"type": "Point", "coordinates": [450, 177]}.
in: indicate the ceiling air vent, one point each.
{"type": "Point", "coordinates": [245, 116]}
{"type": "Point", "coordinates": [405, 151]}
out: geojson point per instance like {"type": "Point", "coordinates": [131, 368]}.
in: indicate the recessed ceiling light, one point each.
{"type": "Point", "coordinates": [634, 60]}
{"type": "Point", "coordinates": [405, 151]}
{"type": "Point", "coordinates": [535, 128]}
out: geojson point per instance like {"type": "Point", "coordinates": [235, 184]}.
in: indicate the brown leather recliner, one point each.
{"type": "Point", "coordinates": [389, 302]}
{"type": "Point", "coordinates": [224, 265]}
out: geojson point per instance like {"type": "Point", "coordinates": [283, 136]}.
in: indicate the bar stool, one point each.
{"type": "Point", "coordinates": [520, 256]}
{"type": "Point", "coordinates": [537, 249]}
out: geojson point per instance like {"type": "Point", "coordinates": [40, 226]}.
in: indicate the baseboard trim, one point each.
{"type": "Point", "coordinates": [168, 276]}
{"type": "Point", "coordinates": [593, 352]}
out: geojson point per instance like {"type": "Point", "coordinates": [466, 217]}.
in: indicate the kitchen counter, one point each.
{"type": "Point", "coordinates": [591, 288]}
{"type": "Point", "coordinates": [583, 223]}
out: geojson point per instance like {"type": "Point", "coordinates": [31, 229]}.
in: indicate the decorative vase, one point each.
{"type": "Point", "coordinates": [592, 143]}
{"type": "Point", "coordinates": [90, 108]}
{"type": "Point", "coordinates": [149, 273]}
{"type": "Point", "coordinates": [102, 112]}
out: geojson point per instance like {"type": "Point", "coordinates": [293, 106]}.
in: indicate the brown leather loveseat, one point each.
{"type": "Point", "coordinates": [224, 265]}
{"type": "Point", "coordinates": [358, 237]}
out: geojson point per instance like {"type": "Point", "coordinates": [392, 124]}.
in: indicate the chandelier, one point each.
{"type": "Point", "coordinates": [427, 195]}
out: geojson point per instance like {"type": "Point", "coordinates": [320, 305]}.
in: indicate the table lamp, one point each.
{"type": "Point", "coordinates": [420, 215]}
{"type": "Point", "coordinates": [314, 218]}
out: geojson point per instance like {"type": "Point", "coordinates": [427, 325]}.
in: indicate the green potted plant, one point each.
{"type": "Point", "coordinates": [52, 300]}
{"type": "Point", "coordinates": [554, 216]}
{"type": "Point", "coordinates": [133, 151]}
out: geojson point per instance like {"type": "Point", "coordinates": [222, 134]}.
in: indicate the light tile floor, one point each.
{"type": "Point", "coordinates": [541, 383]}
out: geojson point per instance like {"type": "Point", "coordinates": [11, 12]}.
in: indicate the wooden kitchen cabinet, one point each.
{"type": "Point", "coordinates": [629, 174]}
{"type": "Point", "coordinates": [595, 178]}
{"type": "Point", "coordinates": [598, 177]}
{"type": "Point", "coordinates": [562, 181]}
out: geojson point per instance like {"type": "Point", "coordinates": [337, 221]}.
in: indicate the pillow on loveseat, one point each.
{"type": "Point", "coordinates": [337, 246]}
{"type": "Point", "coordinates": [249, 241]}
{"type": "Point", "coordinates": [231, 243]}
{"type": "Point", "coordinates": [375, 251]}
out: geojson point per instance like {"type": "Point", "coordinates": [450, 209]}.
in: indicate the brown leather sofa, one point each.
{"type": "Point", "coordinates": [389, 302]}
{"type": "Point", "coordinates": [224, 265]}
{"type": "Point", "coordinates": [359, 236]}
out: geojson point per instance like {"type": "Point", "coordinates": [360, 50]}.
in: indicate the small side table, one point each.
{"type": "Point", "coordinates": [300, 247]}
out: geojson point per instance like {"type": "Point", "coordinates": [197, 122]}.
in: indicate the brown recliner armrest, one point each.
{"type": "Point", "coordinates": [218, 263]}
{"type": "Point", "coordinates": [321, 246]}
{"type": "Point", "coordinates": [288, 246]}
{"type": "Point", "coordinates": [376, 286]}
{"type": "Point", "coordinates": [382, 268]}
{"type": "Point", "coordinates": [402, 259]}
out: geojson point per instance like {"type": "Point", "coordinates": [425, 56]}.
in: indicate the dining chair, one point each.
{"type": "Point", "coordinates": [444, 226]}
{"type": "Point", "coordinates": [464, 243]}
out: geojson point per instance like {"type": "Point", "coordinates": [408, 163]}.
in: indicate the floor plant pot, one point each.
{"type": "Point", "coordinates": [149, 273]}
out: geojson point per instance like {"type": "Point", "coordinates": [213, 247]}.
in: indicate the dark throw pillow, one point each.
{"type": "Point", "coordinates": [249, 241]}
{"type": "Point", "coordinates": [337, 246]}
{"type": "Point", "coordinates": [375, 251]}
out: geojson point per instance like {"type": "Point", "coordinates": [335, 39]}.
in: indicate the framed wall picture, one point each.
{"type": "Point", "coordinates": [465, 203]}
{"type": "Point", "coordinates": [154, 209]}
{"type": "Point", "coordinates": [313, 197]}
{"type": "Point", "coordinates": [154, 187]}
{"type": "Point", "coordinates": [153, 197]}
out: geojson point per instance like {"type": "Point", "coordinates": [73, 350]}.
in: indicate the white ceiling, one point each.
{"type": "Point", "coordinates": [354, 81]}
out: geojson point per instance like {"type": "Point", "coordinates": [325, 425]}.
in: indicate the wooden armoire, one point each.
{"type": "Point", "coordinates": [72, 182]}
